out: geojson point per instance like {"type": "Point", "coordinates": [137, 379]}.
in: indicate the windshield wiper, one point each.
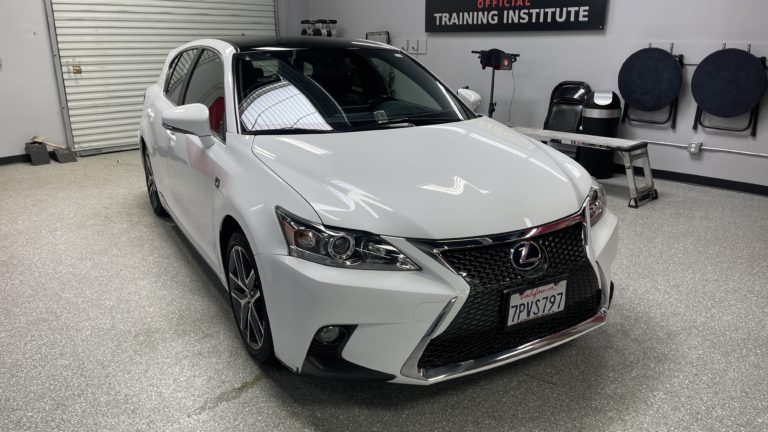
{"type": "Point", "coordinates": [291, 131]}
{"type": "Point", "coordinates": [401, 122]}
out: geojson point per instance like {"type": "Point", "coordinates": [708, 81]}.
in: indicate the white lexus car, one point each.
{"type": "Point", "coordinates": [364, 221]}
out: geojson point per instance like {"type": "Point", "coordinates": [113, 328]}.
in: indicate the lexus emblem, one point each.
{"type": "Point", "coordinates": [528, 256]}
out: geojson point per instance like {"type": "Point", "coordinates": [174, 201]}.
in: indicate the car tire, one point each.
{"type": "Point", "coordinates": [246, 296]}
{"type": "Point", "coordinates": [149, 176]}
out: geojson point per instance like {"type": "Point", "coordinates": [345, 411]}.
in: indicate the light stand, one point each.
{"type": "Point", "coordinates": [496, 59]}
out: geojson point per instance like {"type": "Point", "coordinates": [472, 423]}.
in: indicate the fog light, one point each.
{"type": "Point", "coordinates": [329, 334]}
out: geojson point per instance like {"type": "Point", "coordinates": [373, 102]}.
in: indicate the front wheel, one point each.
{"type": "Point", "coordinates": [247, 299]}
{"type": "Point", "coordinates": [149, 176]}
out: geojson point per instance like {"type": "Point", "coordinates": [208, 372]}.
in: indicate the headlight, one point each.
{"type": "Point", "coordinates": [334, 247]}
{"type": "Point", "coordinates": [597, 202]}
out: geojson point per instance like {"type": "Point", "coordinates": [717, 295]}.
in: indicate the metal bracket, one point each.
{"type": "Point", "coordinates": [694, 147]}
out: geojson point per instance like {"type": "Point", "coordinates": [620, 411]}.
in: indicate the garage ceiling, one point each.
{"type": "Point", "coordinates": [112, 50]}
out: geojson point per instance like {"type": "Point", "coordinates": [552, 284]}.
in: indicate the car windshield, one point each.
{"type": "Point", "coordinates": [319, 90]}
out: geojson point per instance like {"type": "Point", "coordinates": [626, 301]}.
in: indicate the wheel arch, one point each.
{"type": "Point", "coordinates": [144, 145]}
{"type": "Point", "coordinates": [229, 225]}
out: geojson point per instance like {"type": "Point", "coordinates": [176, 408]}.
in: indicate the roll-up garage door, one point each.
{"type": "Point", "coordinates": [112, 50]}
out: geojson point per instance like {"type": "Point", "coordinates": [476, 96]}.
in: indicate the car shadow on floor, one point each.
{"type": "Point", "coordinates": [540, 392]}
{"type": "Point", "coordinates": [211, 279]}
{"type": "Point", "coordinates": [618, 194]}
{"type": "Point", "coordinates": [585, 384]}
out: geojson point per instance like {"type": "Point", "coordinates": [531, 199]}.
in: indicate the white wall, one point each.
{"type": "Point", "coordinates": [696, 27]}
{"type": "Point", "coordinates": [289, 15]}
{"type": "Point", "coordinates": [28, 89]}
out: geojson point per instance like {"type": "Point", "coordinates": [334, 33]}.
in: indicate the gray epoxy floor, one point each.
{"type": "Point", "coordinates": [110, 322]}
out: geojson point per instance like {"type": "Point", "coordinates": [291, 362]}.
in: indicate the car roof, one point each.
{"type": "Point", "coordinates": [244, 44]}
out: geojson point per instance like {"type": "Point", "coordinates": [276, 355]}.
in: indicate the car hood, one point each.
{"type": "Point", "coordinates": [463, 179]}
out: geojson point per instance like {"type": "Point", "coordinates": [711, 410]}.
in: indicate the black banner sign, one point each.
{"type": "Point", "coordinates": [514, 15]}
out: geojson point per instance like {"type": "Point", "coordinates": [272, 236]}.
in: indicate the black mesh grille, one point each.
{"type": "Point", "coordinates": [480, 330]}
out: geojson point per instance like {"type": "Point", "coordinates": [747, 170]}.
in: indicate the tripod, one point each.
{"type": "Point", "coordinates": [496, 59]}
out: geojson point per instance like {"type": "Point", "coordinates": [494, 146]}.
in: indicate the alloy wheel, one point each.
{"type": "Point", "coordinates": [247, 297]}
{"type": "Point", "coordinates": [150, 177]}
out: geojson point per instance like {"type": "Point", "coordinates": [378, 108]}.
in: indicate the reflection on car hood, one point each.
{"type": "Point", "coordinates": [455, 180]}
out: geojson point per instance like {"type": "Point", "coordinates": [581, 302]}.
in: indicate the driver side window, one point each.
{"type": "Point", "coordinates": [206, 86]}
{"type": "Point", "coordinates": [177, 75]}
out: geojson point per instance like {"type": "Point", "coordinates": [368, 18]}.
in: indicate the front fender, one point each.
{"type": "Point", "coordinates": [248, 192]}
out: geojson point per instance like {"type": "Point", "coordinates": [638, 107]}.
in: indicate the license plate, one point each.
{"type": "Point", "coordinates": [536, 303]}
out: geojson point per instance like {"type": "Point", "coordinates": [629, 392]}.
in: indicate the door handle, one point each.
{"type": "Point", "coordinates": [171, 137]}
{"type": "Point", "coordinates": [151, 114]}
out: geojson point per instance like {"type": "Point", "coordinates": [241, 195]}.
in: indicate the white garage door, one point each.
{"type": "Point", "coordinates": [112, 50]}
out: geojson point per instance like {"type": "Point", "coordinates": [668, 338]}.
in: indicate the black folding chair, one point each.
{"type": "Point", "coordinates": [565, 107]}
{"type": "Point", "coordinates": [729, 83]}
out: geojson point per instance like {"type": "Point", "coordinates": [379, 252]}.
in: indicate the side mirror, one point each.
{"type": "Point", "coordinates": [190, 119]}
{"type": "Point", "coordinates": [470, 98]}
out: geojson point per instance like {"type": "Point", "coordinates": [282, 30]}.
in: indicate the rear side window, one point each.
{"type": "Point", "coordinates": [178, 75]}
{"type": "Point", "coordinates": [206, 86]}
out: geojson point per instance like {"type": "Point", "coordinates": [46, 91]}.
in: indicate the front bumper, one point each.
{"type": "Point", "coordinates": [396, 314]}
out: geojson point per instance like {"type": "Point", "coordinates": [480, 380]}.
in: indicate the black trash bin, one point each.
{"type": "Point", "coordinates": [601, 116]}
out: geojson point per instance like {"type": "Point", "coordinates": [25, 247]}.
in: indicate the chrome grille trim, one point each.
{"type": "Point", "coordinates": [436, 246]}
